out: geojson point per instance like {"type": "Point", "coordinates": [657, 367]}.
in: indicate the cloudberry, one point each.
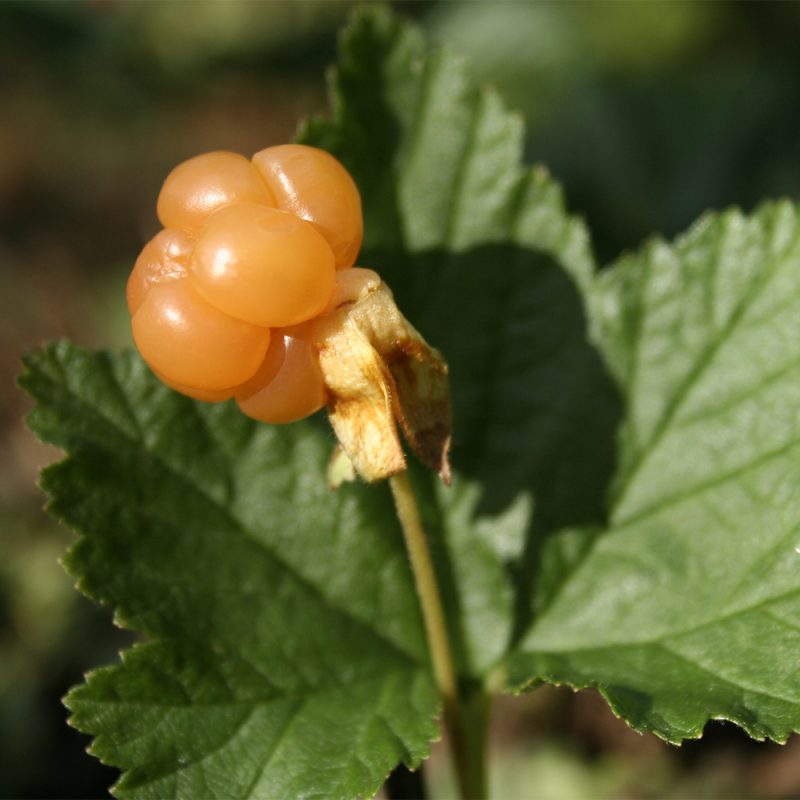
{"type": "Point", "coordinates": [249, 252]}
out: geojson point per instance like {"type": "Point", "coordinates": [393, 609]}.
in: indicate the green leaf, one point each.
{"type": "Point", "coordinates": [484, 260]}
{"type": "Point", "coordinates": [276, 669]}
{"type": "Point", "coordinates": [688, 606]}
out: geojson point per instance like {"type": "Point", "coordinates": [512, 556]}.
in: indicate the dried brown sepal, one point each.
{"type": "Point", "coordinates": [380, 372]}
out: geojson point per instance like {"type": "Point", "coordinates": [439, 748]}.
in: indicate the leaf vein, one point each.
{"type": "Point", "coordinates": [245, 532]}
{"type": "Point", "coordinates": [736, 683]}
{"type": "Point", "coordinates": [704, 360]}
{"type": "Point", "coordinates": [270, 754]}
{"type": "Point", "coordinates": [704, 486]}
{"type": "Point", "coordinates": [462, 169]}
{"type": "Point", "coordinates": [732, 402]}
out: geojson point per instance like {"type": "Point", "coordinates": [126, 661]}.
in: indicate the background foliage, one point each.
{"type": "Point", "coordinates": [701, 115]}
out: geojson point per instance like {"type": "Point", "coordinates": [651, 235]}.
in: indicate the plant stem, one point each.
{"type": "Point", "coordinates": [463, 747]}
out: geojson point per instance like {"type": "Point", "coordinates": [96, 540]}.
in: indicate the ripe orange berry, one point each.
{"type": "Point", "coordinates": [312, 184]}
{"type": "Point", "coordinates": [263, 265]}
{"type": "Point", "coordinates": [248, 246]}
{"type": "Point", "coordinates": [288, 385]}
{"type": "Point", "coordinates": [198, 187]}
{"type": "Point", "coordinates": [190, 342]}
{"type": "Point", "coordinates": [164, 258]}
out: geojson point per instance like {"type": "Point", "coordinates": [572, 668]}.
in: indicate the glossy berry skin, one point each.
{"type": "Point", "coordinates": [192, 343]}
{"type": "Point", "coordinates": [312, 184]}
{"type": "Point", "coordinates": [263, 266]}
{"type": "Point", "coordinates": [288, 386]}
{"type": "Point", "coordinates": [197, 188]}
{"type": "Point", "coordinates": [164, 258]}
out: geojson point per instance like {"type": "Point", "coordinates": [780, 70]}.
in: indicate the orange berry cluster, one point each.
{"type": "Point", "coordinates": [249, 253]}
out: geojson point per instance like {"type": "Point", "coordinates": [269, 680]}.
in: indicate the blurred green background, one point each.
{"type": "Point", "coordinates": [647, 112]}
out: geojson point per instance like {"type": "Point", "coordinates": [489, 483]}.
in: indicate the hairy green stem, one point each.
{"type": "Point", "coordinates": [466, 745]}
